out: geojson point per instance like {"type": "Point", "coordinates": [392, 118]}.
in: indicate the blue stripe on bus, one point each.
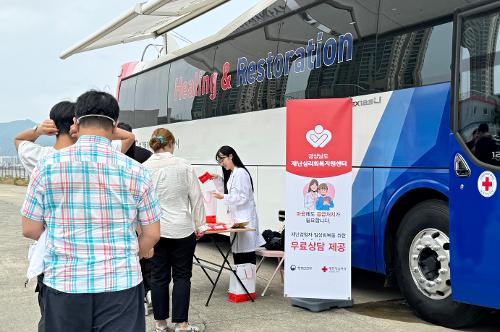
{"type": "Point", "coordinates": [412, 133]}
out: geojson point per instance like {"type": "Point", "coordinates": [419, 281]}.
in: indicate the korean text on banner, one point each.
{"type": "Point", "coordinates": [318, 198]}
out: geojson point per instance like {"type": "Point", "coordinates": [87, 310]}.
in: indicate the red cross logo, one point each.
{"type": "Point", "coordinates": [324, 269]}
{"type": "Point", "coordinates": [487, 183]}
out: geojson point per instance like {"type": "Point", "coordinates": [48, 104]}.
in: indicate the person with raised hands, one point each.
{"type": "Point", "coordinates": [90, 198]}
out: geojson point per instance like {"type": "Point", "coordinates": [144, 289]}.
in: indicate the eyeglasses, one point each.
{"type": "Point", "coordinates": [220, 159]}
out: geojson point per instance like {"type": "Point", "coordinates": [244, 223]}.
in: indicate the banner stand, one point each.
{"type": "Point", "coordinates": [318, 203]}
{"type": "Point", "coordinates": [317, 305]}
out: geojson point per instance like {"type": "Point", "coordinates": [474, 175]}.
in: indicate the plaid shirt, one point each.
{"type": "Point", "coordinates": [91, 198]}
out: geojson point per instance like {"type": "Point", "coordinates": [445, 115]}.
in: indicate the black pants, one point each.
{"type": "Point", "coordinates": [38, 289]}
{"type": "Point", "coordinates": [173, 258]}
{"type": "Point", "coordinates": [245, 257]}
{"type": "Point", "coordinates": [112, 311]}
{"type": "Point", "coordinates": [146, 274]}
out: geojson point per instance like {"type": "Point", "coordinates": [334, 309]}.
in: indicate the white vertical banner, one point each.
{"type": "Point", "coordinates": [318, 199]}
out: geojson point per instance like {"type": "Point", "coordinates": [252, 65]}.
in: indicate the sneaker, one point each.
{"type": "Point", "coordinates": [189, 328]}
{"type": "Point", "coordinates": [161, 326]}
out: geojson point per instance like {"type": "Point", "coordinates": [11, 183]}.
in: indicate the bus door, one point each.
{"type": "Point", "coordinates": [475, 158]}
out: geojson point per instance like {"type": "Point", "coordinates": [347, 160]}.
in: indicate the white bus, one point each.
{"type": "Point", "coordinates": [412, 91]}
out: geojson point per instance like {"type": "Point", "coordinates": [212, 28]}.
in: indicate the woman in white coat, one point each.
{"type": "Point", "coordinates": [236, 189]}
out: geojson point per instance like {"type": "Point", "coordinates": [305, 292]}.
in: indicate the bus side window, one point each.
{"type": "Point", "coordinates": [126, 100]}
{"type": "Point", "coordinates": [150, 105]}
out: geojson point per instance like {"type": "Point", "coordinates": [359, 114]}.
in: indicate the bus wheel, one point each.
{"type": "Point", "coordinates": [423, 266]}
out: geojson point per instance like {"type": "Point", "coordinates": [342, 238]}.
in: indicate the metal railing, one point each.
{"type": "Point", "coordinates": [17, 171]}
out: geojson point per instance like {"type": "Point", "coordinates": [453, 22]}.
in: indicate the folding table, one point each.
{"type": "Point", "coordinates": [200, 262]}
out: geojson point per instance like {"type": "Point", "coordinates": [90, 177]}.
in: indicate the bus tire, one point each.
{"type": "Point", "coordinates": [422, 267]}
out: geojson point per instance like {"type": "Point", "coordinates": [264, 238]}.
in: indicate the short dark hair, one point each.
{"type": "Point", "coordinates": [62, 114]}
{"type": "Point", "coordinates": [97, 103]}
{"type": "Point", "coordinates": [483, 128]}
{"type": "Point", "coordinates": [125, 126]}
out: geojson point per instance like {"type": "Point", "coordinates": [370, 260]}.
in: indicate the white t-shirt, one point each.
{"type": "Point", "coordinates": [30, 153]}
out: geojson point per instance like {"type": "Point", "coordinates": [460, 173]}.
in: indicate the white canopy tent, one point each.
{"type": "Point", "coordinates": [156, 17]}
{"type": "Point", "coordinates": [145, 20]}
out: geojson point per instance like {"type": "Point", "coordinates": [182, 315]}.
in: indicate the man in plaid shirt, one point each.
{"type": "Point", "coordinates": [91, 198]}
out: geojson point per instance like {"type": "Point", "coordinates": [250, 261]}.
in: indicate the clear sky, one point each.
{"type": "Point", "coordinates": [34, 33]}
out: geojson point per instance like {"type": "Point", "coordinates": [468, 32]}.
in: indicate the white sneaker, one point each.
{"type": "Point", "coordinates": [161, 326]}
{"type": "Point", "coordinates": [189, 328]}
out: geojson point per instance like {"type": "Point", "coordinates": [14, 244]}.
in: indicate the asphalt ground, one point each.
{"type": "Point", "coordinates": [376, 308]}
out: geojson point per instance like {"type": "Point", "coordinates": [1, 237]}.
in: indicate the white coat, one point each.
{"type": "Point", "coordinates": [241, 208]}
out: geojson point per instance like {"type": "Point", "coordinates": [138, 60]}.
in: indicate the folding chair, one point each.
{"type": "Point", "coordinates": [278, 254]}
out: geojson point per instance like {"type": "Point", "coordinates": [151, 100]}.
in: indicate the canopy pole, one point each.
{"type": "Point", "coordinates": [165, 44]}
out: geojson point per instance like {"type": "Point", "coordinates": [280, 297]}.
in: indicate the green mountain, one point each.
{"type": "Point", "coordinates": [10, 129]}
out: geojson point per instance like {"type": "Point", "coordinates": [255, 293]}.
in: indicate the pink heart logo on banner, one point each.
{"type": "Point", "coordinates": [319, 137]}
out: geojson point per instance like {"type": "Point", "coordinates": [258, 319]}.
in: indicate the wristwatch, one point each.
{"type": "Point", "coordinates": [35, 127]}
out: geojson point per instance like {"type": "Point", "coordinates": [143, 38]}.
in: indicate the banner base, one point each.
{"type": "Point", "coordinates": [317, 305]}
